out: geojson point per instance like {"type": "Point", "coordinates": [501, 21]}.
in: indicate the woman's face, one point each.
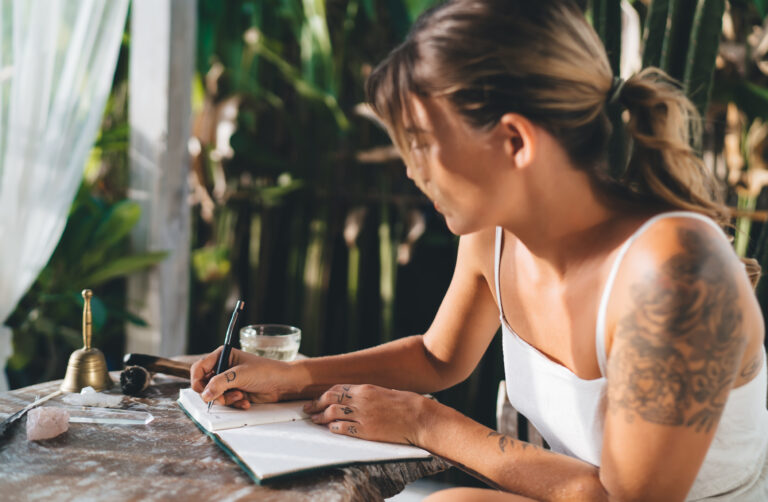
{"type": "Point", "coordinates": [459, 168]}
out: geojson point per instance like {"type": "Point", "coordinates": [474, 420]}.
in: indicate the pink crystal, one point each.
{"type": "Point", "coordinates": [46, 422]}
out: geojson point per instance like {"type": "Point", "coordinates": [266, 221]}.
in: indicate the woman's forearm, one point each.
{"type": "Point", "coordinates": [403, 364]}
{"type": "Point", "coordinates": [504, 462]}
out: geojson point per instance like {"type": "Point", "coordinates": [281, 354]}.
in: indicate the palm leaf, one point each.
{"type": "Point", "coordinates": [124, 266]}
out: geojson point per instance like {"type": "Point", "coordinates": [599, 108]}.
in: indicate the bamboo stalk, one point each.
{"type": "Point", "coordinates": [607, 24]}
{"type": "Point", "coordinates": [387, 271]}
{"type": "Point", "coordinates": [702, 52]}
{"type": "Point", "coordinates": [297, 256]}
{"type": "Point", "coordinates": [653, 36]}
{"type": "Point", "coordinates": [743, 225]}
{"type": "Point", "coordinates": [313, 315]}
{"type": "Point", "coordinates": [352, 229]}
{"type": "Point", "coordinates": [255, 271]}
{"type": "Point", "coordinates": [677, 37]}
{"type": "Point", "coordinates": [353, 279]}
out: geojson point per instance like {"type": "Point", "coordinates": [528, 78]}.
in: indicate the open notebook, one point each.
{"type": "Point", "coordinates": [275, 440]}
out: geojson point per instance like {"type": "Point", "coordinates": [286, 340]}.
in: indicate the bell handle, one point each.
{"type": "Point", "coordinates": [87, 318]}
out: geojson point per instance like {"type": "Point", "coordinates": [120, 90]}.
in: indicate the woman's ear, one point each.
{"type": "Point", "coordinates": [519, 136]}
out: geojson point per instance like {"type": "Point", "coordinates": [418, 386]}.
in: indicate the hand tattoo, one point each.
{"type": "Point", "coordinates": [352, 429]}
{"type": "Point", "coordinates": [230, 375]}
{"type": "Point", "coordinates": [680, 347]}
{"type": "Point", "coordinates": [342, 396]}
{"type": "Point", "coordinates": [347, 410]}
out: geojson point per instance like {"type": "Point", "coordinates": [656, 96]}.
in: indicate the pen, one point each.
{"type": "Point", "coordinates": [224, 356]}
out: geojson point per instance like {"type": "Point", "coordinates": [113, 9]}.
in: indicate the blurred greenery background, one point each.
{"type": "Point", "coordinates": [299, 202]}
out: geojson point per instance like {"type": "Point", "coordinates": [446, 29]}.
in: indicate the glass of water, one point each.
{"type": "Point", "coordinates": [274, 341]}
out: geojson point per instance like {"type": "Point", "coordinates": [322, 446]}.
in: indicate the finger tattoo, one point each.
{"type": "Point", "coordinates": [346, 387]}
{"type": "Point", "coordinates": [352, 429]}
{"type": "Point", "coordinates": [347, 410]}
{"type": "Point", "coordinates": [230, 375]}
{"type": "Point", "coordinates": [342, 396]}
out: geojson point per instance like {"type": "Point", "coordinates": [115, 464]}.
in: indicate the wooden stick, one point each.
{"type": "Point", "coordinates": [157, 364]}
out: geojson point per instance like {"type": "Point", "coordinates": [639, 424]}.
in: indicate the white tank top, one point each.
{"type": "Point", "coordinates": [568, 411]}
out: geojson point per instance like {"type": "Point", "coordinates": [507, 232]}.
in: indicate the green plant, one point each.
{"type": "Point", "coordinates": [286, 78]}
{"type": "Point", "coordinates": [93, 253]}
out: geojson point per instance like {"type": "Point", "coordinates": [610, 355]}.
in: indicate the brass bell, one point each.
{"type": "Point", "coordinates": [86, 366]}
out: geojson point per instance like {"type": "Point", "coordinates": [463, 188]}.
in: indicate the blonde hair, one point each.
{"type": "Point", "coordinates": [542, 59]}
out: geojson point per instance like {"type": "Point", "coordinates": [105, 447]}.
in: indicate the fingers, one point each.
{"type": "Point", "coordinates": [219, 384]}
{"type": "Point", "coordinates": [333, 408]}
{"type": "Point", "coordinates": [231, 397]}
{"type": "Point", "coordinates": [202, 370]}
{"type": "Point", "coordinates": [334, 412]}
{"type": "Point", "coordinates": [347, 428]}
{"type": "Point", "coordinates": [243, 404]}
{"type": "Point", "coordinates": [338, 394]}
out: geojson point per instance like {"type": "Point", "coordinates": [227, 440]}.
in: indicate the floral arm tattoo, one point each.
{"type": "Point", "coordinates": [680, 347]}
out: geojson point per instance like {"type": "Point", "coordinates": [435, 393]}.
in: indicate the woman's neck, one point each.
{"type": "Point", "coordinates": [568, 220]}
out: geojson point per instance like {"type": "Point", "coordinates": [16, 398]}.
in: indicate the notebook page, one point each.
{"type": "Point", "coordinates": [281, 448]}
{"type": "Point", "coordinates": [225, 417]}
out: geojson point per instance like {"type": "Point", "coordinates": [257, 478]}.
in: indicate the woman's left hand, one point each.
{"type": "Point", "coordinates": [370, 412]}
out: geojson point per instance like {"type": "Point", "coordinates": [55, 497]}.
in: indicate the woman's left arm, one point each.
{"type": "Point", "coordinates": [677, 325]}
{"type": "Point", "coordinates": [379, 414]}
{"type": "Point", "coordinates": [683, 321]}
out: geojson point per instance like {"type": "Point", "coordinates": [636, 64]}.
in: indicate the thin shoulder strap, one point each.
{"type": "Point", "coordinates": [496, 260]}
{"type": "Point", "coordinates": [601, 312]}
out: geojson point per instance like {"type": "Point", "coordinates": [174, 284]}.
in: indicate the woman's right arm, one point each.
{"type": "Point", "coordinates": [444, 356]}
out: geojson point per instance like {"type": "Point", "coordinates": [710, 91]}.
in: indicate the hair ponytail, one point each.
{"type": "Point", "coordinates": [663, 127]}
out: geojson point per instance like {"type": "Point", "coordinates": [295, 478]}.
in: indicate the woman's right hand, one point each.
{"type": "Point", "coordinates": [250, 378]}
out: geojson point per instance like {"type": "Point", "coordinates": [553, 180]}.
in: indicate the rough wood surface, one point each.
{"type": "Point", "coordinates": [169, 459]}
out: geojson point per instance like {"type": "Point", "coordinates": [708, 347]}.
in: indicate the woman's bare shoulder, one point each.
{"type": "Point", "coordinates": [682, 287]}
{"type": "Point", "coordinates": [682, 250]}
{"type": "Point", "coordinates": [477, 250]}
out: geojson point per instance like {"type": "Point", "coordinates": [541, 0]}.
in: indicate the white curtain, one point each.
{"type": "Point", "coordinates": [57, 62]}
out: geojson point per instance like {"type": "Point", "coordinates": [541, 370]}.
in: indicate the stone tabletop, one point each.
{"type": "Point", "coordinates": [168, 459]}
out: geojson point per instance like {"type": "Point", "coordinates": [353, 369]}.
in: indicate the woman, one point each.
{"type": "Point", "coordinates": [632, 338]}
